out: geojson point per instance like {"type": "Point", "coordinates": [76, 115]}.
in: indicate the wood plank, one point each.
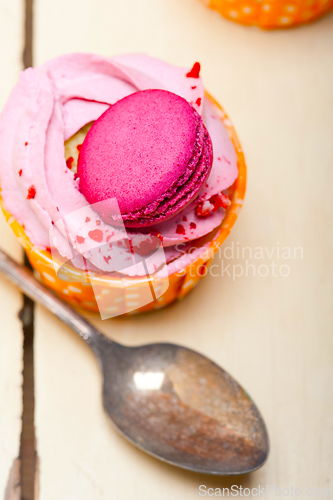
{"type": "Point", "coordinates": [11, 338]}
{"type": "Point", "coordinates": [13, 488]}
{"type": "Point", "coordinates": [271, 333]}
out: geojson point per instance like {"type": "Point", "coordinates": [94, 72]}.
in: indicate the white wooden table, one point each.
{"type": "Point", "coordinates": [273, 333]}
{"type": "Point", "coordinates": [11, 338]}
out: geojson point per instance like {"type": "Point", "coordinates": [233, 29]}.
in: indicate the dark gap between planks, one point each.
{"type": "Point", "coordinates": [28, 441]}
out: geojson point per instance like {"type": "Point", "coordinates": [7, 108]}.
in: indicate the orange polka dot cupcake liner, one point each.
{"type": "Point", "coordinates": [120, 295]}
{"type": "Point", "coordinates": [271, 14]}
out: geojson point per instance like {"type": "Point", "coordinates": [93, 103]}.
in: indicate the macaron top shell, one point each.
{"type": "Point", "coordinates": [151, 152]}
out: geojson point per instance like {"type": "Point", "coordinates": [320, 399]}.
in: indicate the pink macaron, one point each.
{"type": "Point", "coordinates": [151, 152]}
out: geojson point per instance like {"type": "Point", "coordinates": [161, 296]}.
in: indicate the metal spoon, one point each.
{"type": "Point", "coordinates": [168, 400]}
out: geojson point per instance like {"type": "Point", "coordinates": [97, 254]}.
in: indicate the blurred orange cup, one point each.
{"type": "Point", "coordinates": [271, 14]}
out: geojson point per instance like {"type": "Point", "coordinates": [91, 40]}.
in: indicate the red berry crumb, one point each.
{"type": "Point", "coordinates": [156, 234]}
{"type": "Point", "coordinates": [203, 209]}
{"type": "Point", "coordinates": [48, 249]}
{"type": "Point", "coordinates": [31, 193]}
{"type": "Point", "coordinates": [87, 219]}
{"type": "Point", "coordinates": [194, 73]}
{"type": "Point", "coordinates": [210, 206]}
{"type": "Point", "coordinates": [69, 162]}
{"type": "Point", "coordinates": [194, 87]}
{"type": "Point", "coordinates": [146, 246]}
{"type": "Point", "coordinates": [107, 258]}
{"type": "Point", "coordinates": [128, 245]}
{"type": "Point", "coordinates": [80, 239]}
{"type": "Point", "coordinates": [184, 218]}
{"type": "Point", "coordinates": [20, 172]}
{"type": "Point", "coordinates": [220, 200]}
{"type": "Point", "coordinates": [198, 101]}
{"type": "Point", "coordinates": [25, 143]}
{"type": "Point", "coordinates": [98, 223]}
{"type": "Point", "coordinates": [180, 229]}
{"type": "Point", "coordinates": [193, 225]}
{"type": "Point", "coordinates": [78, 147]}
{"type": "Point", "coordinates": [76, 176]}
{"type": "Point", "coordinates": [96, 235]}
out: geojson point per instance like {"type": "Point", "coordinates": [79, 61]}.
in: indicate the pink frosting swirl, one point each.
{"type": "Point", "coordinates": [52, 102]}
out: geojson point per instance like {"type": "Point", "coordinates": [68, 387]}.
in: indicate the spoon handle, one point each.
{"type": "Point", "coordinates": [24, 279]}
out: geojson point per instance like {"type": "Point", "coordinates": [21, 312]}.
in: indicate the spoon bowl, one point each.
{"type": "Point", "coordinates": [181, 407]}
{"type": "Point", "coordinates": [168, 400]}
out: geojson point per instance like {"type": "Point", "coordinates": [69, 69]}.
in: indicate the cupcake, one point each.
{"type": "Point", "coordinates": [271, 14]}
{"type": "Point", "coordinates": [120, 177]}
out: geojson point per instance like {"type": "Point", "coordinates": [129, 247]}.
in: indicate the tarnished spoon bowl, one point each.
{"type": "Point", "coordinates": [170, 401]}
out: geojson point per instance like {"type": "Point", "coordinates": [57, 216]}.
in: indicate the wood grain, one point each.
{"type": "Point", "coordinates": [13, 489]}
{"type": "Point", "coordinates": [272, 333]}
{"type": "Point", "coordinates": [11, 338]}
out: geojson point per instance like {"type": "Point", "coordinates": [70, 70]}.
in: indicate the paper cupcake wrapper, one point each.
{"type": "Point", "coordinates": [113, 296]}
{"type": "Point", "coordinates": [271, 14]}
